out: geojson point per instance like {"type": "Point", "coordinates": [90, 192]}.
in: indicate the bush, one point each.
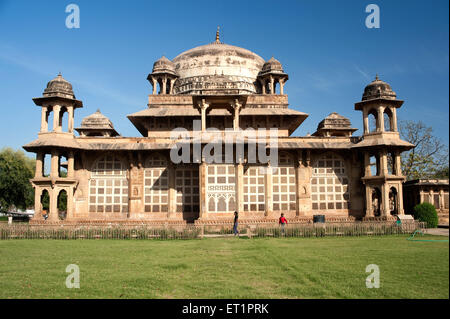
{"type": "Point", "coordinates": [426, 212]}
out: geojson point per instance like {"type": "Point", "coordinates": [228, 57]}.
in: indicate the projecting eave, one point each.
{"type": "Point", "coordinates": [396, 103]}
{"type": "Point", "coordinates": [49, 143]}
{"type": "Point", "coordinates": [383, 142]}
{"type": "Point", "coordinates": [41, 101]}
{"type": "Point", "coordinates": [310, 142]}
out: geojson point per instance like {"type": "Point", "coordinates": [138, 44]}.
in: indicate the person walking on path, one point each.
{"type": "Point", "coordinates": [282, 221]}
{"type": "Point", "coordinates": [235, 224]}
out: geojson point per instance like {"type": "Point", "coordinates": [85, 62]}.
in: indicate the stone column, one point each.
{"type": "Point", "coordinates": [398, 164]}
{"type": "Point", "coordinates": [54, 167]}
{"type": "Point", "coordinates": [39, 165]}
{"type": "Point", "coordinates": [44, 119]}
{"type": "Point", "coordinates": [202, 180]}
{"type": "Point", "coordinates": [268, 190]}
{"type": "Point", "coordinates": [69, 215]}
{"type": "Point", "coordinates": [384, 200]}
{"type": "Point", "coordinates": [380, 121]}
{"type": "Point", "coordinates": [37, 204]}
{"type": "Point", "coordinates": [171, 83]}
{"type": "Point", "coordinates": [367, 171]}
{"type": "Point", "coordinates": [172, 192]}
{"type": "Point", "coordinates": [272, 91]}
{"type": "Point", "coordinates": [70, 165]}
{"type": "Point", "coordinates": [369, 208]}
{"type": "Point", "coordinates": [53, 211]}
{"type": "Point", "coordinates": [203, 107]}
{"type": "Point", "coordinates": [401, 210]}
{"type": "Point", "coordinates": [281, 81]}
{"type": "Point", "coordinates": [56, 111]}
{"type": "Point", "coordinates": [239, 171]}
{"type": "Point", "coordinates": [70, 120]}
{"type": "Point", "coordinates": [383, 163]}
{"type": "Point", "coordinates": [298, 184]}
{"type": "Point", "coordinates": [263, 86]}
{"type": "Point", "coordinates": [237, 106]}
{"type": "Point", "coordinates": [394, 119]}
{"type": "Point", "coordinates": [154, 84]}
{"type": "Point", "coordinates": [366, 121]}
{"type": "Point", "coordinates": [164, 85]}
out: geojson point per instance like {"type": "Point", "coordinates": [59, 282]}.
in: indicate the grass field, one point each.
{"type": "Point", "coordinates": [226, 268]}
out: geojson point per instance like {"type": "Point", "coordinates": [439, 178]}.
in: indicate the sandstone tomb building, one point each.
{"type": "Point", "coordinates": [114, 178]}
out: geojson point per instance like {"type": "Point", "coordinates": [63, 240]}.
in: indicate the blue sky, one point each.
{"type": "Point", "coordinates": [324, 46]}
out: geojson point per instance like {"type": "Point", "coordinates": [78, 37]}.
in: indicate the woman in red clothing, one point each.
{"type": "Point", "coordinates": [282, 221]}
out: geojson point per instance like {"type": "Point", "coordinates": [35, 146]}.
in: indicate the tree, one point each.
{"type": "Point", "coordinates": [16, 169]}
{"type": "Point", "coordinates": [429, 159]}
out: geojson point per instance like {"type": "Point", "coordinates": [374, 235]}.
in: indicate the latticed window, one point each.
{"type": "Point", "coordinates": [221, 186]}
{"type": "Point", "coordinates": [186, 183]}
{"type": "Point", "coordinates": [283, 180]}
{"type": "Point", "coordinates": [108, 186]}
{"type": "Point", "coordinates": [254, 197]}
{"type": "Point", "coordinates": [156, 185]}
{"type": "Point", "coordinates": [329, 184]}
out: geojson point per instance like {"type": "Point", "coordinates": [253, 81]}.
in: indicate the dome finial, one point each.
{"type": "Point", "coordinates": [218, 35]}
{"type": "Point", "coordinates": [376, 77]}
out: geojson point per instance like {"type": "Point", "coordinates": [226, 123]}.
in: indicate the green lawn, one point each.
{"type": "Point", "coordinates": [226, 268]}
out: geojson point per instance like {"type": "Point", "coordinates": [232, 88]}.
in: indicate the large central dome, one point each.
{"type": "Point", "coordinates": [217, 67]}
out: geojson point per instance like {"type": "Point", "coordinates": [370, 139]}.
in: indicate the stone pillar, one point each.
{"type": "Point", "coordinates": [171, 83]}
{"type": "Point", "coordinates": [53, 211]}
{"type": "Point", "coordinates": [263, 86]}
{"type": "Point", "coordinates": [401, 210]}
{"type": "Point", "coordinates": [202, 180]}
{"type": "Point", "coordinates": [37, 204]}
{"type": "Point", "coordinates": [383, 163]}
{"type": "Point", "coordinates": [380, 119]}
{"type": "Point", "coordinates": [39, 165]}
{"type": "Point", "coordinates": [398, 164]}
{"type": "Point", "coordinates": [366, 121]}
{"type": "Point", "coordinates": [239, 171]}
{"type": "Point", "coordinates": [69, 215]}
{"type": "Point", "coordinates": [164, 85]}
{"type": "Point", "coordinates": [70, 165]}
{"type": "Point", "coordinates": [54, 167]}
{"type": "Point", "coordinates": [44, 119]}
{"type": "Point", "coordinates": [367, 171]}
{"type": "Point", "coordinates": [369, 208]}
{"type": "Point", "coordinates": [394, 119]}
{"type": "Point", "coordinates": [172, 192]}
{"type": "Point", "coordinates": [237, 106]}
{"type": "Point", "coordinates": [70, 111]}
{"type": "Point", "coordinates": [272, 86]}
{"type": "Point", "coordinates": [56, 111]}
{"type": "Point", "coordinates": [268, 190]}
{"type": "Point", "coordinates": [281, 81]}
{"type": "Point", "coordinates": [298, 184]}
{"type": "Point", "coordinates": [384, 200]}
{"type": "Point", "coordinates": [154, 84]}
{"type": "Point", "coordinates": [203, 107]}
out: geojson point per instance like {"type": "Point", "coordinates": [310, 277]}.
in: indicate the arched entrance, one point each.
{"type": "Point", "coordinates": [62, 205]}
{"type": "Point", "coordinates": [393, 201]}
{"type": "Point", "coordinates": [45, 204]}
{"type": "Point", "coordinates": [376, 202]}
